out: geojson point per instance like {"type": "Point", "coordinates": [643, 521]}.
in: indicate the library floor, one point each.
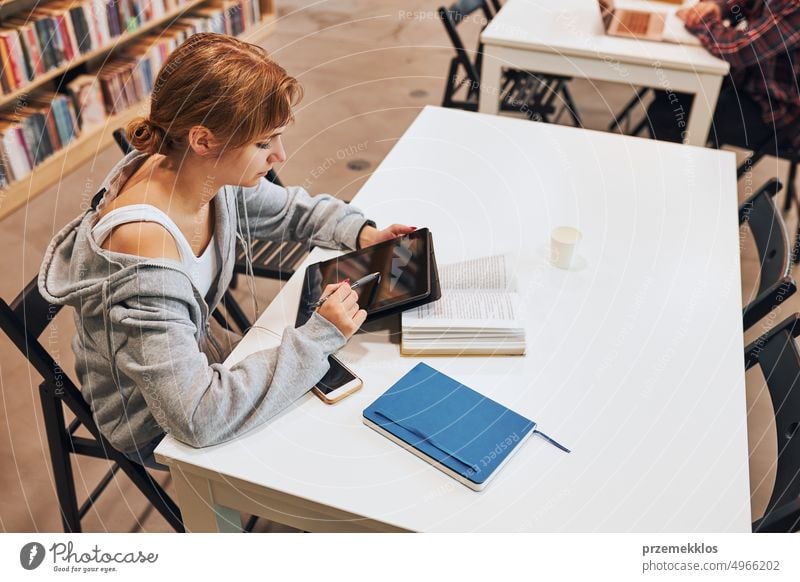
{"type": "Point", "coordinates": [367, 71]}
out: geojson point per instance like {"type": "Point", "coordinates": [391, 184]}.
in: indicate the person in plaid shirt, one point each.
{"type": "Point", "coordinates": [760, 99]}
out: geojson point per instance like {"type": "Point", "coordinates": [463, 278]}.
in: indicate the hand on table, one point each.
{"type": "Point", "coordinates": [700, 12]}
{"type": "Point", "coordinates": [371, 235]}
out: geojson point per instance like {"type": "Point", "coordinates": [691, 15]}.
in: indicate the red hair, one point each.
{"type": "Point", "coordinates": [220, 82]}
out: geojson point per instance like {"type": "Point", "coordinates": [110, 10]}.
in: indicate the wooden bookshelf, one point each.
{"type": "Point", "coordinates": [88, 145]}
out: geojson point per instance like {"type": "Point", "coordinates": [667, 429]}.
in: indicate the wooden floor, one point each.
{"type": "Point", "coordinates": [367, 70]}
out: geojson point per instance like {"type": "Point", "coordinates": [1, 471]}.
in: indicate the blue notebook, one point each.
{"type": "Point", "coordinates": [456, 429]}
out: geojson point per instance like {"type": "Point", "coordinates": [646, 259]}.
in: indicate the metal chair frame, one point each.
{"type": "Point", "coordinates": [529, 93]}
{"type": "Point", "coordinates": [774, 250]}
{"type": "Point", "coordinates": [24, 321]}
{"type": "Point", "coordinates": [777, 354]}
{"type": "Point", "coordinates": [770, 148]}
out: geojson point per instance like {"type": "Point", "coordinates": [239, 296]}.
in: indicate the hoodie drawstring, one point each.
{"type": "Point", "coordinates": [251, 281]}
{"type": "Point", "coordinates": [112, 353]}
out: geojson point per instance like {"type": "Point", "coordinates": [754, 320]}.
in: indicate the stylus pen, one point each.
{"type": "Point", "coordinates": [362, 281]}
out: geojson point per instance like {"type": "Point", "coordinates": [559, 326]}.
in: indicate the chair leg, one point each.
{"type": "Point", "coordinates": [152, 490]}
{"type": "Point", "coordinates": [573, 110]}
{"type": "Point", "coordinates": [643, 124]}
{"type": "Point", "coordinates": [450, 84]}
{"type": "Point", "coordinates": [236, 312]}
{"type": "Point", "coordinates": [744, 166]}
{"type": "Point", "coordinates": [791, 196]}
{"type": "Point", "coordinates": [251, 524]}
{"type": "Point", "coordinates": [626, 111]}
{"type": "Point", "coordinates": [750, 162]}
{"type": "Point", "coordinates": [791, 187]}
{"type": "Point", "coordinates": [60, 459]}
{"type": "Point", "coordinates": [220, 319]}
{"type": "Point", "coordinates": [796, 247]}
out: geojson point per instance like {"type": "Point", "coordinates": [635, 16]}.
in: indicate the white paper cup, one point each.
{"type": "Point", "coordinates": [563, 241]}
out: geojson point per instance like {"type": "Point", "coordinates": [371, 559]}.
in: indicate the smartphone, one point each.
{"type": "Point", "coordinates": [337, 383]}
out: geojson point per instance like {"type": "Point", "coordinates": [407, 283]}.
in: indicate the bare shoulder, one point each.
{"type": "Point", "coordinates": [143, 239]}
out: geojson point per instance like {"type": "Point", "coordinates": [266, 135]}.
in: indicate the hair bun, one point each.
{"type": "Point", "coordinates": [145, 136]}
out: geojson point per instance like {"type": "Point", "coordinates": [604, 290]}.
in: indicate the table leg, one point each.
{"type": "Point", "coordinates": [491, 74]}
{"type": "Point", "coordinates": [702, 113]}
{"type": "Point", "coordinates": [199, 512]}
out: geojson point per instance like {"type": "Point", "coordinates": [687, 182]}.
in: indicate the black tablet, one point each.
{"type": "Point", "coordinates": [405, 264]}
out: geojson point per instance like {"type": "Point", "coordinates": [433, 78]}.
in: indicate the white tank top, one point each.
{"type": "Point", "coordinates": [203, 269]}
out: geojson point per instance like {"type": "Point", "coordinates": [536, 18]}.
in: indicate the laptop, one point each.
{"type": "Point", "coordinates": [642, 23]}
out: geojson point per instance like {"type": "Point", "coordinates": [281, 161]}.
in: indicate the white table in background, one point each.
{"type": "Point", "coordinates": [634, 359]}
{"type": "Point", "coordinates": [566, 37]}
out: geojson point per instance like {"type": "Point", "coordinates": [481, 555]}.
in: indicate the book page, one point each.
{"type": "Point", "coordinates": [483, 273]}
{"type": "Point", "coordinates": [457, 306]}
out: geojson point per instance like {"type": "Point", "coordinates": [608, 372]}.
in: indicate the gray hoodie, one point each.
{"type": "Point", "coordinates": [143, 338]}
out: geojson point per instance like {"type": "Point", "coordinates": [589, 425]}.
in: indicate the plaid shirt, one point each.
{"type": "Point", "coordinates": [764, 56]}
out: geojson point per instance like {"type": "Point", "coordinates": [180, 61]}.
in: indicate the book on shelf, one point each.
{"type": "Point", "coordinates": [464, 434]}
{"type": "Point", "coordinates": [232, 17]}
{"type": "Point", "coordinates": [6, 76]}
{"type": "Point", "coordinates": [98, 13]}
{"type": "Point", "coordinates": [15, 69]}
{"type": "Point", "coordinates": [87, 99]}
{"type": "Point", "coordinates": [3, 177]}
{"type": "Point", "coordinates": [50, 139]}
{"type": "Point", "coordinates": [53, 36]}
{"type": "Point", "coordinates": [13, 149]}
{"type": "Point", "coordinates": [64, 117]}
{"type": "Point", "coordinates": [479, 313]}
{"type": "Point", "coordinates": [32, 55]}
{"type": "Point", "coordinates": [34, 132]}
{"type": "Point", "coordinates": [214, 16]}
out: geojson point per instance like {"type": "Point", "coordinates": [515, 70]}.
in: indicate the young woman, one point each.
{"type": "Point", "coordinates": [147, 264]}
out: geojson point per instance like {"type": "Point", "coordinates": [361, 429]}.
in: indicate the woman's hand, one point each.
{"type": "Point", "coordinates": [341, 308]}
{"type": "Point", "coordinates": [371, 235]}
{"type": "Point", "coordinates": [700, 12]}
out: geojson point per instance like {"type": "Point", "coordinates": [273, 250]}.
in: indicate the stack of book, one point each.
{"type": "Point", "coordinates": [479, 313]}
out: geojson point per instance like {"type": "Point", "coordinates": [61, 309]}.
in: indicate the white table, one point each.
{"type": "Point", "coordinates": [634, 359]}
{"type": "Point", "coordinates": [566, 37]}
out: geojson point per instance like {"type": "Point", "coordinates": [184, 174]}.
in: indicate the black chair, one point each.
{"type": "Point", "coordinates": [772, 243]}
{"type": "Point", "coordinates": [770, 148]}
{"type": "Point", "coordinates": [24, 321]}
{"type": "Point", "coordinates": [777, 354]}
{"type": "Point", "coordinates": [532, 94]}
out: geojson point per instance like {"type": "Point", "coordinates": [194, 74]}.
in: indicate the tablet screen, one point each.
{"type": "Point", "coordinates": [402, 263]}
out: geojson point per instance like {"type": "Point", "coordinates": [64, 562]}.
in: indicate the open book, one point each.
{"type": "Point", "coordinates": [479, 313]}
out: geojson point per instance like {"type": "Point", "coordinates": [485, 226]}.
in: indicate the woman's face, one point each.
{"type": "Point", "coordinates": [246, 165]}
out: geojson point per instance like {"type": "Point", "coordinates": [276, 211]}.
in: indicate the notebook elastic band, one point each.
{"type": "Point", "coordinates": [551, 441]}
